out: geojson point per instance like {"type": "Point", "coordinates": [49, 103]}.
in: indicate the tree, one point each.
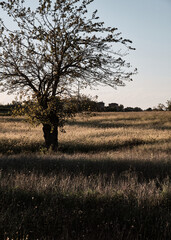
{"type": "Point", "coordinates": [149, 109]}
{"type": "Point", "coordinates": [137, 109]}
{"type": "Point", "coordinates": [161, 107]}
{"type": "Point", "coordinates": [121, 108]}
{"type": "Point", "coordinates": [168, 103]}
{"type": "Point", "coordinates": [54, 47]}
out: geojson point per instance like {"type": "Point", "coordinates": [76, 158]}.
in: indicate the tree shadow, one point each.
{"type": "Point", "coordinates": [11, 119]}
{"type": "Point", "coordinates": [97, 124]}
{"type": "Point", "coordinates": [145, 170]}
{"type": "Point", "coordinates": [119, 123]}
{"type": "Point", "coordinates": [30, 215]}
{"type": "Point", "coordinates": [80, 147]}
{"type": "Point", "coordinates": [16, 146]}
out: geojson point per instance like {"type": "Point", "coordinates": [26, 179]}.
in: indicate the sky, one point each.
{"type": "Point", "coordinates": [148, 24]}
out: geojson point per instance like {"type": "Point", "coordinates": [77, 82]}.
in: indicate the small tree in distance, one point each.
{"type": "Point", "coordinates": [54, 47]}
{"type": "Point", "coordinates": [168, 103]}
{"type": "Point", "coordinates": [161, 107]}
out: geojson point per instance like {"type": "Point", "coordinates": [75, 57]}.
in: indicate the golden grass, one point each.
{"type": "Point", "coordinates": [152, 129]}
{"type": "Point", "coordinates": [113, 169]}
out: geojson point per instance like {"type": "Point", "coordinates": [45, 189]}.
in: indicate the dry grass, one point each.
{"type": "Point", "coordinates": [102, 132]}
{"type": "Point", "coordinates": [111, 179]}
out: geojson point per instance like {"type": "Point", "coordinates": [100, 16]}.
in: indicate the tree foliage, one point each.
{"type": "Point", "coordinates": [168, 104]}
{"type": "Point", "coordinates": [54, 46]}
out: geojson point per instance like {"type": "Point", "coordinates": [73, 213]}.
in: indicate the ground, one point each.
{"type": "Point", "coordinates": [111, 179]}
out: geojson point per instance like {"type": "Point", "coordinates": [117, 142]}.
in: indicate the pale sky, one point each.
{"type": "Point", "coordinates": [148, 24]}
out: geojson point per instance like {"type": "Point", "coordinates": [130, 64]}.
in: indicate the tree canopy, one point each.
{"type": "Point", "coordinates": [55, 46]}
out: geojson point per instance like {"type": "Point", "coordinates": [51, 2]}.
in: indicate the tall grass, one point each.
{"type": "Point", "coordinates": [111, 179]}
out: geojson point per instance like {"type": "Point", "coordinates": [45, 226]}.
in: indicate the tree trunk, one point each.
{"type": "Point", "coordinates": [51, 136]}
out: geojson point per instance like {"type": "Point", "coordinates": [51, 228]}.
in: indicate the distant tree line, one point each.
{"type": "Point", "coordinates": [115, 107]}
{"type": "Point", "coordinates": [87, 104]}
{"type": "Point", "coordinates": [6, 110]}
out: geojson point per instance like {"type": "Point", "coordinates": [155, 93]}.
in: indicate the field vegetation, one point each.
{"type": "Point", "coordinates": [110, 179]}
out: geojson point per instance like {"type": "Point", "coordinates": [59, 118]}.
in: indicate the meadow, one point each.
{"type": "Point", "coordinates": [110, 179]}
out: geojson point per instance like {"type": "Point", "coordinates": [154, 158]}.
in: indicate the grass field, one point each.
{"type": "Point", "coordinates": [110, 180]}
